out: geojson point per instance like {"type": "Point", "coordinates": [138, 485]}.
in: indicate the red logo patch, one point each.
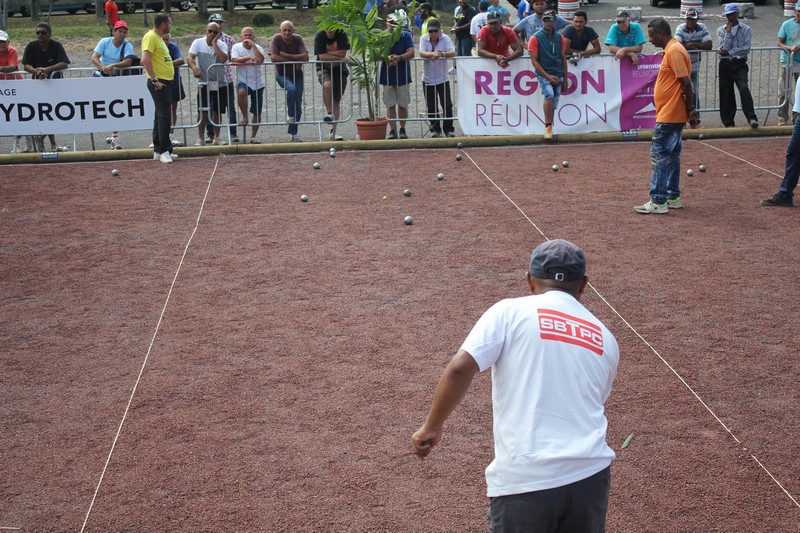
{"type": "Point", "coordinates": [561, 327]}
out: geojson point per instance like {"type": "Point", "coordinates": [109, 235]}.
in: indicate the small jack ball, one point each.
{"type": "Point", "coordinates": [565, 164]}
{"type": "Point", "coordinates": [115, 172]}
{"type": "Point", "coordinates": [407, 192]}
{"type": "Point", "coordinates": [555, 168]}
{"type": "Point", "coordinates": [701, 136]}
{"type": "Point", "coordinates": [304, 198]}
{"type": "Point", "coordinates": [317, 166]}
{"type": "Point", "coordinates": [440, 176]}
{"type": "Point", "coordinates": [458, 157]}
{"type": "Point", "coordinates": [702, 168]}
{"type": "Point", "coordinates": [690, 172]}
{"type": "Point", "coordinates": [408, 221]}
{"type": "Point", "coordinates": [460, 146]}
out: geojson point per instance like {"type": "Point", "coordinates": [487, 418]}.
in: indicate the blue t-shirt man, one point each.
{"type": "Point", "coordinates": [399, 74]}
{"type": "Point", "coordinates": [110, 54]}
{"type": "Point", "coordinates": [527, 27]}
{"type": "Point", "coordinates": [634, 37]}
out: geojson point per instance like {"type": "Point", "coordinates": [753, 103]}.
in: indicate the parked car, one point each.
{"type": "Point", "coordinates": [23, 7]}
{"type": "Point", "coordinates": [250, 4]}
{"type": "Point", "coordinates": [130, 6]}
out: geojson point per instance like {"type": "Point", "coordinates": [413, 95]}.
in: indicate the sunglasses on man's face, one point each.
{"type": "Point", "coordinates": [548, 19]}
{"type": "Point", "coordinates": [41, 33]}
{"type": "Point", "coordinates": [433, 31]}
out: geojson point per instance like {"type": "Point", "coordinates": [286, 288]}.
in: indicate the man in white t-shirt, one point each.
{"type": "Point", "coordinates": [206, 59]}
{"type": "Point", "coordinates": [479, 21]}
{"type": "Point", "coordinates": [553, 364]}
{"type": "Point", "coordinates": [249, 56]}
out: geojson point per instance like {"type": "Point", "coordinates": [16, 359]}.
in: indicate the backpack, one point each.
{"type": "Point", "coordinates": [136, 62]}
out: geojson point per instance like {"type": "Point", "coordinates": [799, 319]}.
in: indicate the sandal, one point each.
{"type": "Point", "coordinates": [243, 122]}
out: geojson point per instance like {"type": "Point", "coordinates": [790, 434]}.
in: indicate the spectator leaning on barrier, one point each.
{"type": "Point", "coordinates": [693, 36]}
{"type": "Point", "coordinates": [783, 197]}
{"type": "Point", "coordinates": [625, 38]}
{"type": "Point", "coordinates": [548, 50]}
{"type": "Point", "coordinates": [789, 42]}
{"type": "Point", "coordinates": [249, 56]}
{"type": "Point", "coordinates": [498, 42]}
{"type": "Point", "coordinates": [461, 24]}
{"type": "Point", "coordinates": [395, 76]}
{"type": "Point", "coordinates": [287, 47]}
{"type": "Point", "coordinates": [45, 58]}
{"type": "Point", "coordinates": [9, 62]}
{"type": "Point", "coordinates": [579, 36]}
{"type": "Point", "coordinates": [553, 366]}
{"type": "Point", "coordinates": [478, 22]}
{"type": "Point", "coordinates": [110, 55]}
{"type": "Point", "coordinates": [330, 47]}
{"type": "Point", "coordinates": [229, 42]}
{"type": "Point", "coordinates": [435, 47]}
{"type": "Point", "coordinates": [672, 97]}
{"type": "Point", "coordinates": [112, 15]}
{"type": "Point", "coordinates": [178, 92]}
{"type": "Point", "coordinates": [735, 39]}
{"type": "Point", "coordinates": [160, 72]}
{"type": "Point", "coordinates": [212, 88]}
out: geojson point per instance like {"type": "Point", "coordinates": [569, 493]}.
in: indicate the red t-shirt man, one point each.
{"type": "Point", "coordinates": [9, 59]}
{"type": "Point", "coordinates": [112, 15]}
{"type": "Point", "coordinates": [497, 42]}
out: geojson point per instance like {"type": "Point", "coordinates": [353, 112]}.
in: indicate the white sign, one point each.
{"type": "Point", "coordinates": [77, 105]}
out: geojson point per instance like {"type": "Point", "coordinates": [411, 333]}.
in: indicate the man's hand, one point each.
{"type": "Point", "coordinates": [423, 441]}
{"type": "Point", "coordinates": [501, 61]}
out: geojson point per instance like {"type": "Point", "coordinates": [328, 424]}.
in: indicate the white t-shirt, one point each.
{"type": "Point", "coordinates": [248, 73]}
{"type": "Point", "coordinates": [553, 363]}
{"type": "Point", "coordinates": [478, 22]}
{"type": "Point", "coordinates": [205, 57]}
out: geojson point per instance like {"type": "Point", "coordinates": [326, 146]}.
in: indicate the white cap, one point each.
{"type": "Point", "coordinates": [3, 36]}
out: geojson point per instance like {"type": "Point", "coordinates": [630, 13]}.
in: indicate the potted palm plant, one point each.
{"type": "Point", "coordinates": [370, 42]}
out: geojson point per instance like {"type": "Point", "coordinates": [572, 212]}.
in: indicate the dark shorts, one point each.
{"type": "Point", "coordinates": [219, 98]}
{"type": "Point", "coordinates": [579, 507]}
{"type": "Point", "coordinates": [338, 79]}
{"type": "Point", "coordinates": [178, 93]}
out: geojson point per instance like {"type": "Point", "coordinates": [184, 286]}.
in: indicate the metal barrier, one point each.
{"type": "Point", "coordinates": [764, 77]}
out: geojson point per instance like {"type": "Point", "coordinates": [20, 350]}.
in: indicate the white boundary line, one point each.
{"type": "Point", "coordinates": [691, 390]}
{"type": "Point", "coordinates": [150, 348]}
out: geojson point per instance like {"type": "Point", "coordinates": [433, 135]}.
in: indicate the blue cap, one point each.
{"type": "Point", "coordinates": [730, 8]}
{"type": "Point", "coordinates": [559, 260]}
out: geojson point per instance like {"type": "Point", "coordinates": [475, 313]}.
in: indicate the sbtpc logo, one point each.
{"type": "Point", "coordinates": [557, 326]}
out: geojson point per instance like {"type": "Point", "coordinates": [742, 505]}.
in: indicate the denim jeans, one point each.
{"type": "Point", "coordinates": [792, 171]}
{"type": "Point", "coordinates": [665, 159]}
{"type": "Point", "coordinates": [292, 83]}
{"type": "Point", "coordinates": [464, 46]}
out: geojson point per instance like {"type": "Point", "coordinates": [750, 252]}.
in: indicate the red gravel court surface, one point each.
{"type": "Point", "coordinates": [192, 348]}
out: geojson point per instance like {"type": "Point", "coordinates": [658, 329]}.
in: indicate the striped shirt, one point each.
{"type": "Point", "coordinates": [699, 35]}
{"type": "Point", "coordinates": [737, 42]}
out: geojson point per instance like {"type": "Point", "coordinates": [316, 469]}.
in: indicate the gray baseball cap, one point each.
{"type": "Point", "coordinates": [559, 260]}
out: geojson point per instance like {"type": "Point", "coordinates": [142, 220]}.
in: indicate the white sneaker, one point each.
{"type": "Point", "coordinates": [327, 118]}
{"type": "Point", "coordinates": [165, 158]}
{"type": "Point", "coordinates": [115, 144]}
{"type": "Point", "coordinates": [200, 142]}
{"type": "Point", "coordinates": [291, 120]}
{"type": "Point", "coordinates": [175, 142]}
{"type": "Point", "coordinates": [152, 145]}
{"type": "Point", "coordinates": [452, 71]}
{"type": "Point", "coordinates": [653, 208]}
{"type": "Point", "coordinates": [108, 140]}
{"type": "Point", "coordinates": [156, 156]}
{"type": "Point", "coordinates": [295, 139]}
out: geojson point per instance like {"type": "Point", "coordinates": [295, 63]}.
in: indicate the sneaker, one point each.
{"type": "Point", "coordinates": [165, 158]}
{"type": "Point", "coordinates": [218, 141]}
{"type": "Point", "coordinates": [548, 132]}
{"type": "Point", "coordinates": [392, 134]}
{"type": "Point", "coordinates": [156, 156]}
{"type": "Point", "coordinates": [59, 149]}
{"type": "Point", "coordinates": [674, 204]}
{"type": "Point", "coordinates": [449, 134]}
{"type": "Point", "coordinates": [152, 145]}
{"type": "Point", "coordinates": [783, 122]}
{"type": "Point", "coordinates": [777, 201]}
{"type": "Point", "coordinates": [235, 139]}
{"type": "Point", "coordinates": [652, 208]}
{"type": "Point", "coordinates": [175, 142]}
{"type": "Point", "coordinates": [295, 138]}
{"type": "Point", "coordinates": [754, 123]}
{"type": "Point", "coordinates": [115, 144]}
{"type": "Point", "coordinates": [403, 133]}
{"type": "Point", "coordinates": [338, 137]}
{"type": "Point", "coordinates": [109, 139]}
{"type": "Point", "coordinates": [200, 142]}
{"type": "Point", "coordinates": [291, 120]}
{"type": "Point", "coordinates": [173, 155]}
{"type": "Point", "coordinates": [452, 71]}
{"type": "Point", "coordinates": [333, 136]}
{"type": "Point", "coordinates": [327, 118]}
{"type": "Point", "coordinates": [436, 135]}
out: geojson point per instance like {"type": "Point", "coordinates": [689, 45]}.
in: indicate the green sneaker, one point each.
{"type": "Point", "coordinates": [652, 208]}
{"type": "Point", "coordinates": [674, 204]}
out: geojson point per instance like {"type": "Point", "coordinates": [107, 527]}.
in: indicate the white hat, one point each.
{"type": "Point", "coordinates": [3, 36]}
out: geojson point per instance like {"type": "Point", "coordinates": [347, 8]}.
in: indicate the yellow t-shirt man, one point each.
{"type": "Point", "coordinates": [162, 62]}
{"type": "Point", "coordinates": [668, 94]}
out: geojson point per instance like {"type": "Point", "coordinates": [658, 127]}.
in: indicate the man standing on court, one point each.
{"type": "Point", "coordinates": [497, 42]}
{"type": "Point", "coordinates": [212, 86]}
{"type": "Point", "coordinates": [287, 50]}
{"type": "Point", "coordinates": [673, 99]}
{"type": "Point", "coordinates": [553, 365]}
{"type": "Point", "coordinates": [735, 39]}
{"type": "Point", "coordinates": [693, 36]}
{"type": "Point", "coordinates": [789, 43]}
{"type": "Point", "coordinates": [625, 38]}
{"type": "Point", "coordinates": [160, 71]}
{"type": "Point", "coordinates": [785, 194]}
{"type": "Point", "coordinates": [548, 50]}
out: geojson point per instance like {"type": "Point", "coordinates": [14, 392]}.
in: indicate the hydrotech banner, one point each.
{"type": "Point", "coordinates": [603, 95]}
{"type": "Point", "coordinates": [77, 105]}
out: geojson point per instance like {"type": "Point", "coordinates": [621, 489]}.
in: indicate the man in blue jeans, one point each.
{"type": "Point", "coordinates": [286, 47]}
{"type": "Point", "coordinates": [548, 50]}
{"type": "Point", "coordinates": [783, 198]}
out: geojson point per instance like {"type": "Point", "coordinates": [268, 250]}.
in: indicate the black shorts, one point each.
{"type": "Point", "coordinates": [219, 98]}
{"type": "Point", "coordinates": [338, 79]}
{"type": "Point", "coordinates": [577, 507]}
